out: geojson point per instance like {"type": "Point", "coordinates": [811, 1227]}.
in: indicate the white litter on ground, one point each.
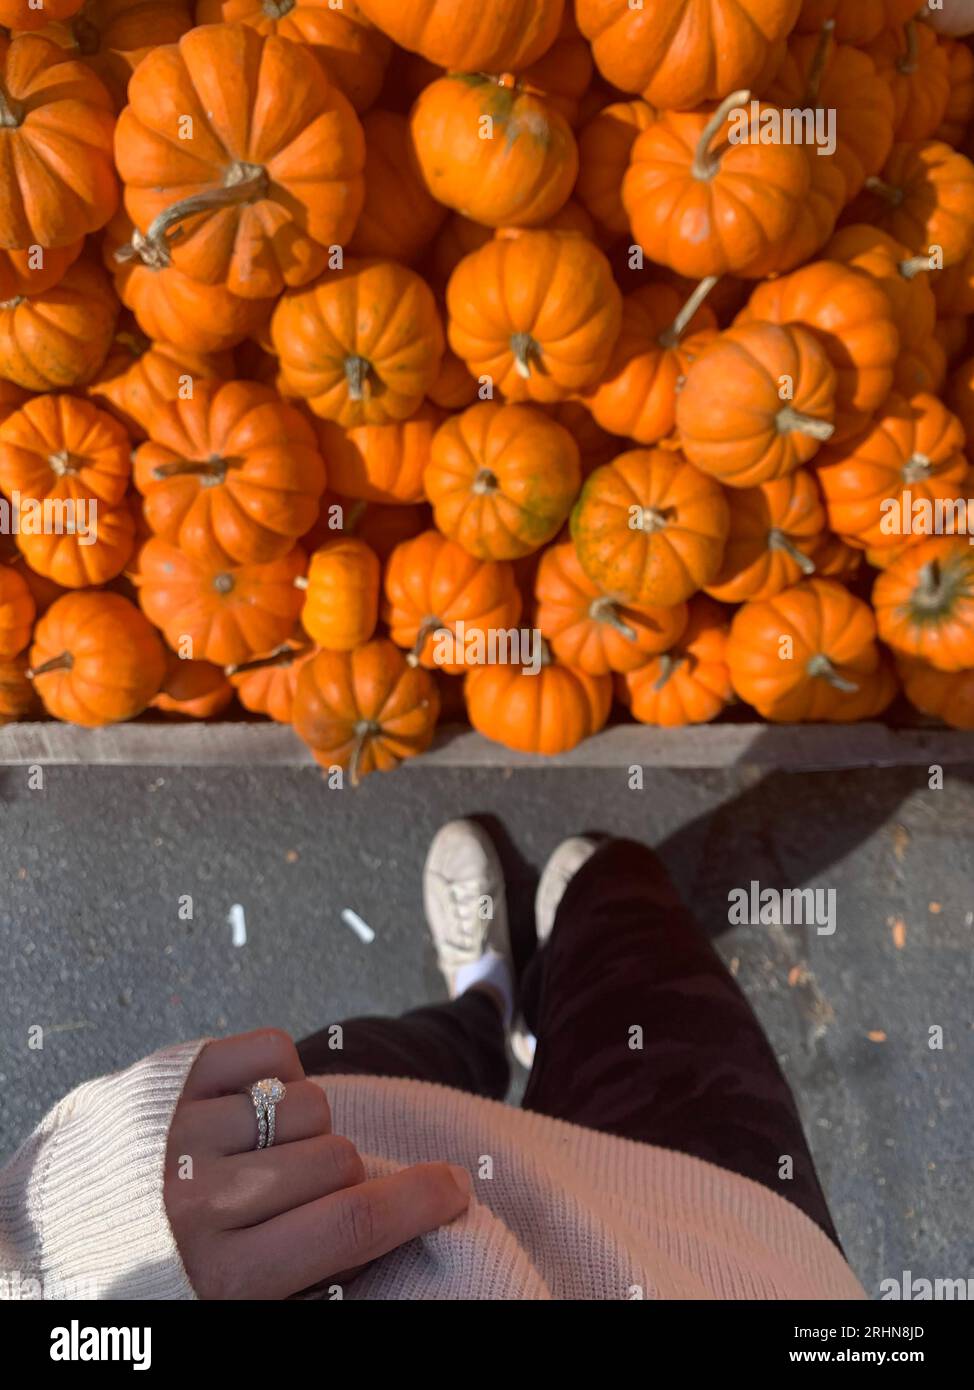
{"type": "Point", "coordinates": [361, 929]}
{"type": "Point", "coordinates": [238, 925]}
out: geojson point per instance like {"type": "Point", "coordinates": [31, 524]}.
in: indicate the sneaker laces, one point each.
{"type": "Point", "coordinates": [464, 895]}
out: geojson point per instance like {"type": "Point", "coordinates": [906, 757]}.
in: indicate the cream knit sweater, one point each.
{"type": "Point", "coordinates": [559, 1211]}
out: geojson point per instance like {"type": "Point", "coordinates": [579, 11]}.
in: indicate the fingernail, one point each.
{"type": "Point", "coordinates": [462, 1179]}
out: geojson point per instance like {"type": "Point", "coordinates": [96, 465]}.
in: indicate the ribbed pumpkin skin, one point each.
{"type": "Point", "coordinates": [18, 699]}
{"type": "Point", "coordinates": [17, 612]}
{"type": "Point", "coordinates": [432, 584]}
{"type": "Point", "coordinates": [774, 532]}
{"type": "Point", "coordinates": [380, 463]}
{"type": "Point", "coordinates": [492, 36]}
{"type": "Point", "coordinates": [924, 603]}
{"type": "Point", "coordinates": [548, 711]}
{"type": "Point", "coordinates": [931, 202]}
{"type": "Point", "coordinates": [58, 338]}
{"type": "Point", "coordinates": [650, 528]}
{"type": "Point", "coordinates": [944, 694]}
{"type": "Point", "coordinates": [502, 479]}
{"type": "Point", "coordinates": [341, 603]}
{"type": "Point", "coordinates": [399, 217]}
{"type": "Point", "coordinates": [365, 710]}
{"type": "Point", "coordinates": [518, 177]}
{"type": "Point", "coordinates": [193, 689]}
{"type": "Point", "coordinates": [115, 662]}
{"type": "Point", "coordinates": [690, 682]}
{"type": "Point", "coordinates": [604, 147]}
{"type": "Point", "coordinates": [269, 687]}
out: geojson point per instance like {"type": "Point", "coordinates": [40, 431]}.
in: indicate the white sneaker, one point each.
{"type": "Point", "coordinates": [463, 894]}
{"type": "Point", "coordinates": [556, 875]}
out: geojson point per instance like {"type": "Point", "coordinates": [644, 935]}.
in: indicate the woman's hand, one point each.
{"type": "Point", "coordinates": [268, 1223]}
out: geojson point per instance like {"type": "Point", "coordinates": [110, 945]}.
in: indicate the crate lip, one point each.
{"type": "Point", "coordinates": [258, 743]}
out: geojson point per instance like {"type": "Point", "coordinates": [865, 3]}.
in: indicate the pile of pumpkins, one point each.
{"type": "Point", "coordinates": [351, 325]}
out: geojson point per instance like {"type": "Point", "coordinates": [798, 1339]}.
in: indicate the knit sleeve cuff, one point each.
{"type": "Point", "coordinates": [81, 1202]}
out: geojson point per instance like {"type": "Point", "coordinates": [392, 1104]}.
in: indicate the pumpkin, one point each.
{"type": "Point", "coordinates": [689, 683]}
{"type": "Point", "coordinates": [232, 475]}
{"type": "Point", "coordinates": [171, 307]}
{"type": "Point", "coordinates": [492, 36]}
{"type": "Point", "coordinates": [604, 149]}
{"type": "Point", "coordinates": [138, 376]}
{"type": "Point", "coordinates": [58, 337]}
{"type": "Point", "coordinates": [681, 53]}
{"type": "Point", "coordinates": [380, 463]}
{"type": "Point", "coordinates": [361, 345]}
{"type": "Point", "coordinates": [960, 398]}
{"type": "Point", "coordinates": [75, 563]}
{"type": "Point", "coordinates": [708, 208]}
{"type": "Point", "coordinates": [960, 103]}
{"type": "Point", "coordinates": [860, 22]}
{"type": "Point", "coordinates": [263, 186]}
{"type": "Point", "coordinates": [113, 36]}
{"type": "Point", "coordinates": [17, 612]}
{"type": "Point", "coordinates": [807, 654]}
{"type": "Point", "coordinates": [456, 238]}
{"type": "Point", "coordinates": [595, 445]}
{"type": "Point", "coordinates": [55, 116]}
{"type": "Point", "coordinates": [547, 710]}
{"type": "Point", "coordinates": [756, 403]}
{"type": "Point", "coordinates": [20, 14]}
{"type": "Point", "coordinates": [924, 603]}
{"type": "Point", "coordinates": [365, 710]}
{"type": "Point", "coordinates": [840, 81]}
{"type": "Point", "coordinates": [591, 632]}
{"type": "Point", "coordinates": [432, 585]}
{"type": "Point", "coordinates": [661, 335]}
{"type": "Point", "coordinates": [502, 479]}
{"type": "Point", "coordinates": [341, 604]}
{"type": "Point", "coordinates": [774, 531]}
{"type": "Point", "coordinates": [912, 453]}
{"type": "Point", "coordinates": [916, 67]}
{"type": "Point", "coordinates": [61, 448]}
{"type": "Point", "coordinates": [953, 288]}
{"type": "Point", "coordinates": [352, 52]}
{"type": "Point", "coordinates": [382, 527]}
{"type": "Point", "coordinates": [924, 198]}
{"type": "Point", "coordinates": [650, 528]}
{"type": "Point", "coordinates": [222, 615]}
{"type": "Point", "coordinates": [946, 695]}
{"type": "Point", "coordinates": [906, 280]}
{"type": "Point", "coordinates": [834, 558]}
{"type": "Point", "coordinates": [493, 150]}
{"type": "Point", "coordinates": [95, 659]}
{"type": "Point", "coordinates": [42, 590]}
{"type": "Point", "coordinates": [454, 387]}
{"type": "Point", "coordinates": [400, 217]}
{"type": "Point", "coordinates": [538, 313]}
{"type": "Point", "coordinates": [18, 699]}
{"type": "Point", "coordinates": [36, 269]}
{"type": "Point", "coordinates": [195, 689]}
{"type": "Point", "coordinates": [563, 74]}
{"type": "Point", "coordinates": [11, 398]}
{"type": "Point", "coordinates": [267, 684]}
{"type": "Point", "coordinates": [851, 316]}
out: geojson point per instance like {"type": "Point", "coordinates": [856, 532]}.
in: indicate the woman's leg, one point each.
{"type": "Point", "coordinates": [642, 1032]}
{"type": "Point", "coordinates": [459, 1043]}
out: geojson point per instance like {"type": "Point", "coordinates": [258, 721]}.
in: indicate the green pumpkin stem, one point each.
{"type": "Point", "coordinates": [526, 351]}
{"type": "Point", "coordinates": [930, 589]}
{"type": "Point", "coordinates": [245, 183]}
{"type": "Point", "coordinates": [668, 665]}
{"type": "Point", "coordinates": [705, 161]}
{"type": "Point", "coordinates": [604, 610]}
{"type": "Point", "coordinates": [778, 540]}
{"type": "Point", "coordinates": [357, 371]}
{"type": "Point", "coordinates": [11, 111]}
{"type": "Point", "coordinates": [821, 667]}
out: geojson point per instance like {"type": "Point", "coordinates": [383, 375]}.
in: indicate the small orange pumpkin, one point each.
{"type": "Point", "coordinates": [604, 149]}
{"type": "Point", "coordinates": [502, 479]}
{"type": "Point", "coordinates": [650, 528]}
{"type": "Point", "coordinates": [267, 684]}
{"type": "Point", "coordinates": [138, 376]}
{"type": "Point", "coordinates": [95, 659]}
{"type": "Point", "coordinates": [17, 612]}
{"type": "Point", "coordinates": [380, 463]}
{"type": "Point", "coordinates": [689, 683]}
{"type": "Point", "coordinates": [946, 695]}
{"type": "Point", "coordinates": [594, 633]}
{"type": "Point", "coordinates": [732, 417]}
{"type": "Point", "coordinates": [194, 689]}
{"type": "Point", "coordinates": [365, 710]}
{"type": "Point", "coordinates": [433, 585]}
{"type": "Point", "coordinates": [923, 198]}
{"type": "Point", "coordinates": [400, 217]}
{"type": "Point", "coordinates": [774, 531]}
{"type": "Point", "coordinates": [18, 699]}
{"type": "Point", "coordinates": [548, 709]}
{"type": "Point", "coordinates": [341, 603]}
{"type": "Point", "coordinates": [924, 603]}
{"type": "Point", "coordinates": [57, 338]}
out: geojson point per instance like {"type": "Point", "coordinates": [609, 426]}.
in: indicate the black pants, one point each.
{"type": "Point", "coordinates": [641, 1032]}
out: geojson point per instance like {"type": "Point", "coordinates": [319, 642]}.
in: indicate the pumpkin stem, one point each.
{"type": "Point", "coordinates": [909, 61]}
{"type": "Point", "coordinates": [778, 540]}
{"type": "Point", "coordinates": [213, 470]}
{"type": "Point", "coordinates": [280, 656]}
{"type": "Point", "coordinates": [485, 482]}
{"type": "Point", "coordinates": [364, 730]}
{"type": "Point", "coordinates": [14, 303]}
{"type": "Point", "coordinates": [427, 627]}
{"type": "Point", "coordinates": [277, 9]}
{"type": "Point", "coordinates": [653, 519]}
{"type": "Point", "coordinates": [821, 666]}
{"type": "Point", "coordinates": [525, 351]}
{"type": "Point", "coordinates": [893, 196]}
{"type": "Point", "coordinates": [916, 265]}
{"type": "Point", "coordinates": [354, 515]}
{"type": "Point", "coordinates": [916, 468]}
{"type": "Point", "coordinates": [223, 583]}
{"type": "Point", "coordinates": [670, 337]}
{"type": "Point", "coordinates": [603, 610]}
{"type": "Point", "coordinates": [817, 71]}
{"type": "Point", "coordinates": [668, 664]}
{"type": "Point", "coordinates": [11, 112]}
{"type": "Point", "coordinates": [357, 376]}
{"type": "Point", "coordinates": [64, 662]}
{"type": "Point", "coordinates": [64, 464]}
{"type": "Point", "coordinates": [788, 420]}
{"type": "Point", "coordinates": [705, 162]}
{"type": "Point", "coordinates": [244, 183]}
{"type": "Point", "coordinates": [931, 590]}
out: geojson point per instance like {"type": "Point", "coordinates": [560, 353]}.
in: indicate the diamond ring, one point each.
{"type": "Point", "coordinates": [266, 1095]}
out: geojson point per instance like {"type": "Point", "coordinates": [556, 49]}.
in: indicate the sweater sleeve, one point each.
{"type": "Point", "coordinates": [82, 1213]}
